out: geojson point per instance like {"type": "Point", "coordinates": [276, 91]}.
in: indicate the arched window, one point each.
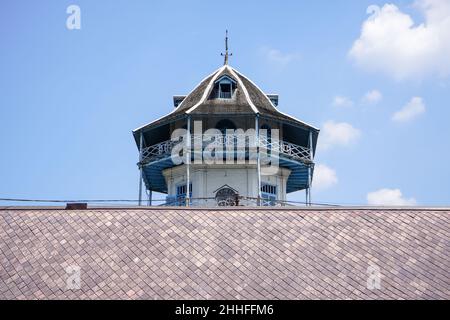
{"type": "Point", "coordinates": [267, 131]}
{"type": "Point", "coordinates": [226, 196]}
{"type": "Point", "coordinates": [267, 127]}
{"type": "Point", "coordinates": [225, 124]}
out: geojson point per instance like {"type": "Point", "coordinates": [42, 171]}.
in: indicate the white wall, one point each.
{"type": "Point", "coordinates": [208, 178]}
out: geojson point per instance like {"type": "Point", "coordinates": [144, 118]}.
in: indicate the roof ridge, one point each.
{"type": "Point", "coordinates": [207, 89]}
{"type": "Point", "coordinates": [275, 108]}
{"type": "Point", "coordinates": [247, 96]}
{"type": "Point", "coordinates": [175, 110]}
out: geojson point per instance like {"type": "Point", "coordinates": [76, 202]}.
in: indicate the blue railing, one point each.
{"type": "Point", "coordinates": [284, 148]}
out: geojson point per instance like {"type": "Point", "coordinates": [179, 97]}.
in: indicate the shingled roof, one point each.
{"type": "Point", "coordinates": [249, 99]}
{"type": "Point", "coordinates": [245, 253]}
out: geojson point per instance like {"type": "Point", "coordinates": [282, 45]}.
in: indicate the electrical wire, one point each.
{"type": "Point", "coordinates": [153, 200]}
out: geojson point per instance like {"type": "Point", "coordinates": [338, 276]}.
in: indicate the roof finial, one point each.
{"type": "Point", "coordinates": [225, 62]}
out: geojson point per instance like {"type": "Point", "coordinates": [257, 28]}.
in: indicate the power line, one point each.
{"type": "Point", "coordinates": [153, 200]}
{"type": "Point", "coordinates": [66, 201]}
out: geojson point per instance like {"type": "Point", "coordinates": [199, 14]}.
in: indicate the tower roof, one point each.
{"type": "Point", "coordinates": [249, 99]}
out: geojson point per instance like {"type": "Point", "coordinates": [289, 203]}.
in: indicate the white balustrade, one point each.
{"type": "Point", "coordinates": [287, 149]}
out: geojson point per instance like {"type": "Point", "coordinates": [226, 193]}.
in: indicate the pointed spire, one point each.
{"type": "Point", "coordinates": [225, 62]}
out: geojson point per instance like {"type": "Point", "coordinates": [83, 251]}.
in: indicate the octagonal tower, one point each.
{"type": "Point", "coordinates": [224, 144]}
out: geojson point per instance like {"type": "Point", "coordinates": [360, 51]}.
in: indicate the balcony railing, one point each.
{"type": "Point", "coordinates": [157, 151]}
{"type": "Point", "coordinates": [286, 149]}
{"type": "Point", "coordinates": [174, 201]}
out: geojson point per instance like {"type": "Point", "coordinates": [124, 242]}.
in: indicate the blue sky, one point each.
{"type": "Point", "coordinates": [70, 98]}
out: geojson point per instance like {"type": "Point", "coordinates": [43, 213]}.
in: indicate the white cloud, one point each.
{"type": "Point", "coordinates": [275, 56]}
{"type": "Point", "coordinates": [324, 177]}
{"type": "Point", "coordinates": [337, 134]}
{"type": "Point", "coordinates": [411, 110]}
{"type": "Point", "coordinates": [372, 97]}
{"type": "Point", "coordinates": [389, 197]}
{"type": "Point", "coordinates": [341, 101]}
{"type": "Point", "coordinates": [391, 43]}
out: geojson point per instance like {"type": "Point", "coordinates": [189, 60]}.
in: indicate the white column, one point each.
{"type": "Point", "coordinates": [258, 163]}
{"type": "Point", "coordinates": [309, 168]}
{"type": "Point", "coordinates": [141, 145]}
{"type": "Point", "coordinates": [188, 161]}
{"type": "Point", "coordinates": [307, 192]}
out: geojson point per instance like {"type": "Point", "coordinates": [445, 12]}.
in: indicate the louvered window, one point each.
{"type": "Point", "coordinates": [268, 194]}
{"type": "Point", "coordinates": [180, 199]}
{"type": "Point", "coordinates": [224, 88]}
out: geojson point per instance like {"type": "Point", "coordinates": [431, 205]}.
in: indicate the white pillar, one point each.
{"type": "Point", "coordinates": [258, 163]}
{"type": "Point", "coordinates": [309, 168]}
{"type": "Point", "coordinates": [188, 161]}
{"type": "Point", "coordinates": [307, 192]}
{"type": "Point", "coordinates": [141, 144]}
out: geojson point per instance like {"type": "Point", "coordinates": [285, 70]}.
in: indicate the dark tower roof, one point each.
{"type": "Point", "coordinates": [248, 99]}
